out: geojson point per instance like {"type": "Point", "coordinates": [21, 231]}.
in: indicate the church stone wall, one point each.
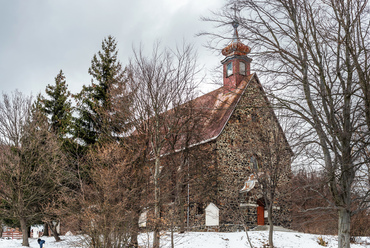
{"type": "Point", "coordinates": [241, 139]}
{"type": "Point", "coordinates": [219, 168]}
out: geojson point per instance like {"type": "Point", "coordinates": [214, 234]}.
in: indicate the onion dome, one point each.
{"type": "Point", "coordinates": [236, 47]}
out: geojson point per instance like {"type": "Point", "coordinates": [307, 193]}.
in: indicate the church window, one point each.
{"type": "Point", "coordinates": [229, 69]}
{"type": "Point", "coordinates": [254, 163]}
{"type": "Point", "coordinates": [242, 69]}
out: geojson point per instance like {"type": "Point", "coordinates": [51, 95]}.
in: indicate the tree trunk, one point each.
{"type": "Point", "coordinates": [271, 228]}
{"type": "Point", "coordinates": [46, 229]}
{"type": "Point", "coordinates": [246, 233]}
{"type": "Point", "coordinates": [53, 229]}
{"type": "Point", "coordinates": [24, 231]}
{"type": "Point", "coordinates": [135, 230]}
{"type": "Point", "coordinates": [344, 225]}
{"type": "Point", "coordinates": [181, 215]}
{"type": "Point", "coordinates": [180, 203]}
{"type": "Point", "coordinates": [156, 205]}
{"type": "Point", "coordinates": [172, 225]}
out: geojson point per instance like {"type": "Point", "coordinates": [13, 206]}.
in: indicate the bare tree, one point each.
{"type": "Point", "coordinates": [31, 162]}
{"type": "Point", "coordinates": [316, 55]}
{"type": "Point", "coordinates": [158, 83]}
{"type": "Point", "coordinates": [14, 113]}
{"type": "Point", "coordinates": [113, 195]}
{"type": "Point", "coordinates": [61, 203]}
{"type": "Point", "coordinates": [272, 170]}
{"type": "Point", "coordinates": [312, 210]}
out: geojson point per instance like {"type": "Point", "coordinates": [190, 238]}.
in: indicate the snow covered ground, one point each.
{"type": "Point", "coordinates": [208, 240]}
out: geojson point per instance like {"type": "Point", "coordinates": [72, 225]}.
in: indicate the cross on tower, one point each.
{"type": "Point", "coordinates": [235, 23]}
{"type": "Point", "coordinates": [235, 10]}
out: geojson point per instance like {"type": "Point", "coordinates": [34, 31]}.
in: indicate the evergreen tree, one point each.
{"type": "Point", "coordinates": [98, 118]}
{"type": "Point", "coordinates": [57, 106]}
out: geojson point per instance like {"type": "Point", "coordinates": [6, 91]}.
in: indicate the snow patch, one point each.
{"type": "Point", "coordinates": [208, 240]}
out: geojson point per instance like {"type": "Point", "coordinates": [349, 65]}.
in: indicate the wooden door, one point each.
{"type": "Point", "coordinates": [260, 215]}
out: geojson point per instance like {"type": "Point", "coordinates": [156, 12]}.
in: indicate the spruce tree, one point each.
{"type": "Point", "coordinates": [57, 106]}
{"type": "Point", "coordinates": [97, 118]}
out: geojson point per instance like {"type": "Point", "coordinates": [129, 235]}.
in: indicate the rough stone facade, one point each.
{"type": "Point", "coordinates": [238, 136]}
{"type": "Point", "coordinates": [239, 141]}
{"type": "Point", "coordinates": [218, 168]}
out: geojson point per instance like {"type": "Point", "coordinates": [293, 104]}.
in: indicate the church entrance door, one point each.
{"type": "Point", "coordinates": [260, 215]}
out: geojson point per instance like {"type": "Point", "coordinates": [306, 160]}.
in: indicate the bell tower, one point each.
{"type": "Point", "coordinates": [236, 64]}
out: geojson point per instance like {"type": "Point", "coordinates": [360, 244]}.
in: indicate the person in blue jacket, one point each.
{"type": "Point", "coordinates": [41, 242]}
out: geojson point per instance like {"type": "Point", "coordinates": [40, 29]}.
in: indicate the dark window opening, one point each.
{"type": "Point", "coordinates": [200, 209]}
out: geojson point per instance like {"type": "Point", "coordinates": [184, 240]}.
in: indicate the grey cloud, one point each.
{"type": "Point", "coordinates": [38, 38]}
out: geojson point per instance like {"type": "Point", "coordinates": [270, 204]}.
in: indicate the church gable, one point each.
{"type": "Point", "coordinates": [244, 132]}
{"type": "Point", "coordinates": [235, 139]}
{"type": "Point", "coordinates": [248, 134]}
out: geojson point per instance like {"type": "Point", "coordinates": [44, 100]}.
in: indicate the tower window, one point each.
{"type": "Point", "coordinates": [229, 69]}
{"type": "Point", "coordinates": [242, 69]}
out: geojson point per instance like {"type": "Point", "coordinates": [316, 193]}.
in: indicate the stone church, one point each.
{"type": "Point", "coordinates": [237, 135]}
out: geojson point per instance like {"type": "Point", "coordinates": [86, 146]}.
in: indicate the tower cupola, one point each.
{"type": "Point", "coordinates": [236, 63]}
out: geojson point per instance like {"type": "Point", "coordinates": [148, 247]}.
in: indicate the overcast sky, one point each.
{"type": "Point", "coordinates": [40, 37]}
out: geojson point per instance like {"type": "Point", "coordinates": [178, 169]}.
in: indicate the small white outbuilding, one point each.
{"type": "Point", "coordinates": [212, 215]}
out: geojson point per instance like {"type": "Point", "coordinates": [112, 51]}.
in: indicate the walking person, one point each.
{"type": "Point", "coordinates": [41, 242]}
